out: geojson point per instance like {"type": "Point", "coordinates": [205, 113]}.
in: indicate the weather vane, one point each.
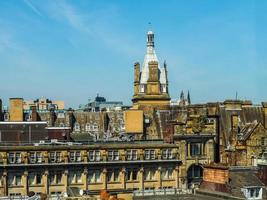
{"type": "Point", "coordinates": [149, 26]}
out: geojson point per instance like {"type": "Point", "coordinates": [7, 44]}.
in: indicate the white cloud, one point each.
{"type": "Point", "coordinates": [33, 8]}
{"type": "Point", "coordinates": [95, 24]}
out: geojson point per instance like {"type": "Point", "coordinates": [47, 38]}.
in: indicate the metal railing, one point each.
{"type": "Point", "coordinates": [35, 197]}
{"type": "Point", "coordinates": [163, 191]}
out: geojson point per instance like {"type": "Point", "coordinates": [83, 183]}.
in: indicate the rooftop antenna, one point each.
{"type": "Point", "coordinates": [149, 26]}
{"type": "Point", "coordinates": [236, 95]}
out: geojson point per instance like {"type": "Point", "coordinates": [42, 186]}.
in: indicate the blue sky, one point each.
{"type": "Point", "coordinates": [72, 50]}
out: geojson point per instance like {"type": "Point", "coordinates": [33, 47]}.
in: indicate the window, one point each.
{"type": "Point", "coordinates": [87, 127]}
{"type": "Point", "coordinates": [131, 154]}
{"type": "Point", "coordinates": [150, 154]}
{"type": "Point", "coordinates": [75, 156]}
{"type": "Point", "coordinates": [195, 149]}
{"type": "Point", "coordinates": [74, 177]}
{"type": "Point", "coordinates": [142, 88]}
{"type": "Point", "coordinates": [14, 179]}
{"type": "Point", "coordinates": [195, 172]}
{"type": "Point", "coordinates": [150, 174]}
{"type": "Point", "coordinates": [113, 155]}
{"type": "Point", "coordinates": [14, 194]}
{"type": "Point", "coordinates": [131, 174]}
{"type": "Point", "coordinates": [6, 117]}
{"type": "Point", "coordinates": [163, 88]}
{"type": "Point", "coordinates": [35, 157]}
{"type": "Point", "coordinates": [167, 154]}
{"type": "Point", "coordinates": [262, 141]}
{"type": "Point", "coordinates": [95, 127]}
{"type": "Point", "coordinates": [113, 175]}
{"type": "Point", "coordinates": [253, 193]}
{"type": "Point", "coordinates": [55, 177]}
{"type": "Point", "coordinates": [35, 178]}
{"type": "Point", "coordinates": [94, 155]}
{"type": "Point", "coordinates": [14, 158]}
{"type": "Point", "coordinates": [94, 176]}
{"type": "Point", "coordinates": [166, 173]}
{"type": "Point", "coordinates": [55, 157]}
{"type": "Point", "coordinates": [76, 127]}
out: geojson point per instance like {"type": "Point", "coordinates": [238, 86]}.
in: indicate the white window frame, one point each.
{"type": "Point", "coordinates": [113, 175]}
{"type": "Point", "coordinates": [150, 174]}
{"type": "Point", "coordinates": [15, 179]}
{"type": "Point", "coordinates": [94, 176]}
{"type": "Point", "coordinates": [167, 154]}
{"type": "Point", "coordinates": [150, 154]}
{"type": "Point", "coordinates": [75, 177]}
{"type": "Point", "coordinates": [14, 158]}
{"type": "Point", "coordinates": [113, 155]}
{"type": "Point", "coordinates": [35, 157]}
{"type": "Point", "coordinates": [167, 173]}
{"type": "Point", "coordinates": [94, 155]}
{"type": "Point", "coordinates": [75, 156]}
{"type": "Point", "coordinates": [55, 156]}
{"type": "Point", "coordinates": [131, 154]}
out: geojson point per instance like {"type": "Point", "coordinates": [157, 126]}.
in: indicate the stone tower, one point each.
{"type": "Point", "coordinates": [151, 87]}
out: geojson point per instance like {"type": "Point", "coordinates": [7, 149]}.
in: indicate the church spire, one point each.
{"type": "Point", "coordinates": [188, 97]}
{"type": "Point", "coordinates": [182, 96]}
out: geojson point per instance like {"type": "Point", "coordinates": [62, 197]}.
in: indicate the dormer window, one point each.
{"type": "Point", "coordinates": [252, 192]}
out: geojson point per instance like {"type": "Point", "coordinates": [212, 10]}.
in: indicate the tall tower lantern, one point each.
{"type": "Point", "coordinates": [150, 87]}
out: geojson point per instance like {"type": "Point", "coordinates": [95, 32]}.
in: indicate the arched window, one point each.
{"type": "Point", "coordinates": [142, 88]}
{"type": "Point", "coordinates": [76, 127]}
{"type": "Point", "coordinates": [194, 174]}
{"type": "Point", "coordinates": [87, 127]}
{"type": "Point", "coordinates": [95, 127]}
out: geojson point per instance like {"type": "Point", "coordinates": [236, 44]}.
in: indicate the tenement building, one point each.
{"type": "Point", "coordinates": [119, 168]}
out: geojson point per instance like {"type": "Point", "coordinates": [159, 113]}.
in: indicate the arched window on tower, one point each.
{"type": "Point", "coordinates": [142, 88]}
{"type": "Point", "coordinates": [163, 88]}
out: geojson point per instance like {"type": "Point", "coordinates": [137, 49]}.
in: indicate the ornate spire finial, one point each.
{"type": "Point", "coordinates": [150, 37]}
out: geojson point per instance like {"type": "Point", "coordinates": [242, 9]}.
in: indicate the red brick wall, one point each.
{"type": "Point", "coordinates": [216, 175]}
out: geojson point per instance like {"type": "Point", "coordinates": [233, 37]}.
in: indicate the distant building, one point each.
{"type": "Point", "coordinates": [183, 101]}
{"type": "Point", "coordinates": [100, 103]}
{"type": "Point", "coordinates": [43, 104]}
